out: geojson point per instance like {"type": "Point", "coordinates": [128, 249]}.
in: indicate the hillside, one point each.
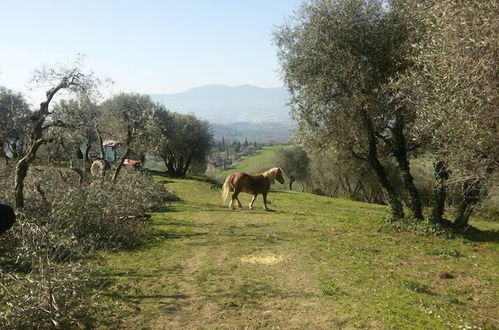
{"type": "Point", "coordinates": [226, 104]}
{"type": "Point", "coordinates": [259, 162]}
{"type": "Point", "coordinates": [313, 263]}
{"type": "Point", "coordinates": [273, 132]}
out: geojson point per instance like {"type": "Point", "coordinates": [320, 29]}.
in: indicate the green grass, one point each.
{"type": "Point", "coordinates": [256, 163]}
{"type": "Point", "coordinates": [312, 263]}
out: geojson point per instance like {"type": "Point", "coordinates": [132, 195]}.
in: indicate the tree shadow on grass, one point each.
{"type": "Point", "coordinates": [157, 237]}
{"type": "Point", "coordinates": [168, 303]}
{"type": "Point", "coordinates": [205, 179]}
{"type": "Point", "coordinates": [477, 235]}
{"type": "Point", "coordinates": [129, 297]}
{"type": "Point", "coordinates": [252, 293]}
{"type": "Point", "coordinates": [159, 233]}
{"type": "Point", "coordinates": [159, 173]}
{"type": "Point", "coordinates": [180, 223]}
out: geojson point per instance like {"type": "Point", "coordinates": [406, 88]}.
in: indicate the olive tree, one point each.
{"type": "Point", "coordinates": [454, 87]}
{"type": "Point", "coordinates": [80, 115]}
{"type": "Point", "coordinates": [14, 123]}
{"type": "Point", "coordinates": [295, 163]}
{"type": "Point", "coordinates": [335, 173]}
{"type": "Point", "coordinates": [181, 141]}
{"type": "Point", "coordinates": [125, 116]}
{"type": "Point", "coordinates": [338, 58]}
{"type": "Point", "coordinates": [71, 79]}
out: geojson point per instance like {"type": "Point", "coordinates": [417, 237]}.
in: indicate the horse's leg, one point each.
{"type": "Point", "coordinates": [234, 197]}
{"type": "Point", "coordinates": [252, 201]}
{"type": "Point", "coordinates": [238, 201]}
{"type": "Point", "coordinates": [265, 201]}
{"type": "Point", "coordinates": [231, 205]}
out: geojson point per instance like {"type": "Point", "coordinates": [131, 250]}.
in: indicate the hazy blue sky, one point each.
{"type": "Point", "coordinates": [145, 46]}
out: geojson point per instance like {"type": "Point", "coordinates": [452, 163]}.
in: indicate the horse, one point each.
{"type": "Point", "coordinates": [251, 184]}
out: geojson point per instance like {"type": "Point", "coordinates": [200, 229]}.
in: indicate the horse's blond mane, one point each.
{"type": "Point", "coordinates": [270, 174]}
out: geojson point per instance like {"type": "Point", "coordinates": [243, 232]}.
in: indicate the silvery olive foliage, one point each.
{"type": "Point", "coordinates": [182, 141]}
{"type": "Point", "coordinates": [400, 79]}
{"type": "Point", "coordinates": [454, 87]}
{"type": "Point", "coordinates": [338, 59]}
{"type": "Point", "coordinates": [295, 163]}
{"type": "Point", "coordinates": [42, 284]}
{"type": "Point", "coordinates": [14, 123]}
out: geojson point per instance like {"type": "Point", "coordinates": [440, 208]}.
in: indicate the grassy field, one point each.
{"type": "Point", "coordinates": [312, 263]}
{"type": "Point", "coordinates": [256, 163]}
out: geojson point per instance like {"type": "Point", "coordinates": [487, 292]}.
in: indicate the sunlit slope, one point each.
{"type": "Point", "coordinates": [312, 263]}
{"type": "Point", "coordinates": [261, 161]}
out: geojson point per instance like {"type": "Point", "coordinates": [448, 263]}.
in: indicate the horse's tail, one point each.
{"type": "Point", "coordinates": [226, 188]}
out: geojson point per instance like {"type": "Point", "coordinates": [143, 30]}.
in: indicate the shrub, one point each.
{"type": "Point", "coordinates": [44, 281]}
{"type": "Point", "coordinates": [104, 215]}
{"type": "Point", "coordinates": [50, 296]}
{"type": "Point", "coordinates": [41, 285]}
{"type": "Point", "coordinates": [21, 247]}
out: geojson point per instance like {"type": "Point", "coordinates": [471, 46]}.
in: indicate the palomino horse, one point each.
{"type": "Point", "coordinates": [251, 184]}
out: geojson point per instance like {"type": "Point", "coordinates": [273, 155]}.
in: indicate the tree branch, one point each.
{"type": "Point", "coordinates": [356, 155]}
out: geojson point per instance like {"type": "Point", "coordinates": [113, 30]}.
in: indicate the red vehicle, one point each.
{"type": "Point", "coordinates": [132, 163]}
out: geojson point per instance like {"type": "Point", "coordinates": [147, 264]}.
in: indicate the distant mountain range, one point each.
{"type": "Point", "coordinates": [271, 132]}
{"type": "Point", "coordinates": [226, 104]}
{"type": "Point", "coordinates": [237, 113]}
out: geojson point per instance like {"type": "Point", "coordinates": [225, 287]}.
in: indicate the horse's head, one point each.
{"type": "Point", "coordinates": [278, 176]}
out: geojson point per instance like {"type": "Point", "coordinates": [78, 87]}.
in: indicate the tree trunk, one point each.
{"type": "Point", "coordinates": [80, 175]}
{"type": "Point", "coordinates": [395, 203]}
{"type": "Point", "coordinates": [187, 164]}
{"type": "Point", "coordinates": [439, 191]}
{"type": "Point", "coordinates": [357, 186]}
{"type": "Point", "coordinates": [36, 141]}
{"type": "Point", "coordinates": [79, 154]}
{"type": "Point", "coordinates": [129, 138]}
{"type": "Point", "coordinates": [291, 180]}
{"type": "Point", "coordinates": [400, 153]}
{"type": "Point", "coordinates": [471, 196]}
{"type": "Point", "coordinates": [21, 173]}
{"type": "Point", "coordinates": [379, 170]}
{"type": "Point", "coordinates": [101, 142]}
{"type": "Point", "coordinates": [180, 166]}
{"type": "Point", "coordinates": [165, 160]}
{"type": "Point", "coordinates": [86, 154]}
{"type": "Point", "coordinates": [22, 168]}
{"type": "Point", "coordinates": [171, 167]}
{"type": "Point", "coordinates": [5, 157]}
{"type": "Point", "coordinates": [86, 158]}
{"type": "Point", "coordinates": [120, 164]}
